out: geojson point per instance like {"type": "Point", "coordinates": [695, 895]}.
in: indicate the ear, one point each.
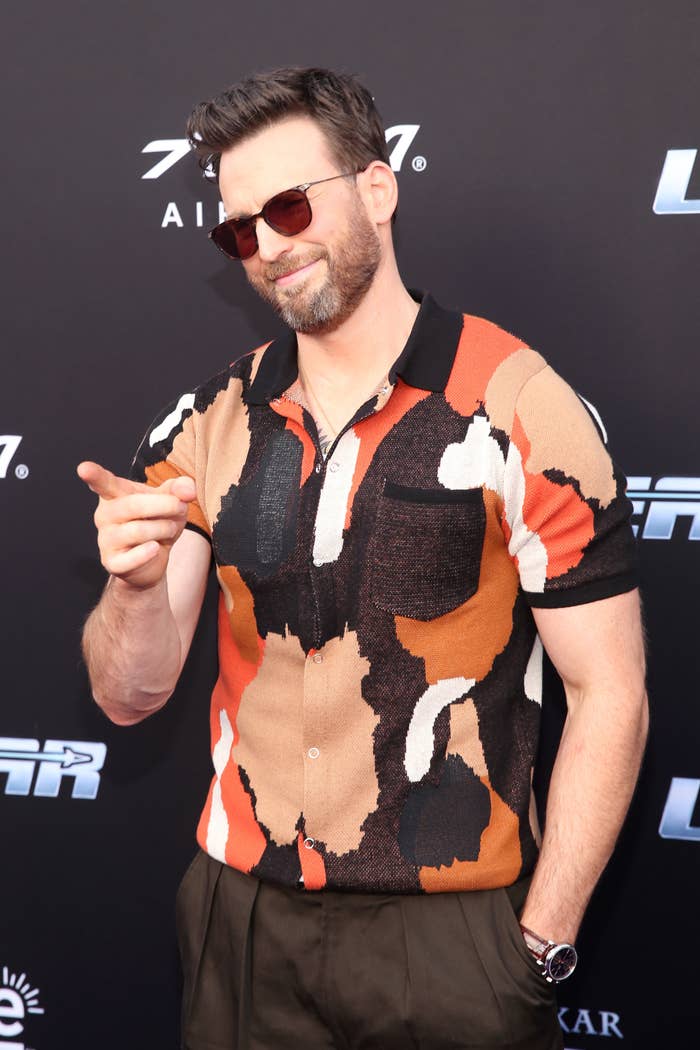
{"type": "Point", "coordinates": [380, 191]}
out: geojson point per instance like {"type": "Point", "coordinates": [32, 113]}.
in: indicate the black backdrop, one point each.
{"type": "Point", "coordinates": [527, 195]}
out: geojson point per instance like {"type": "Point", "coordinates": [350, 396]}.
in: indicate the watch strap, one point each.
{"type": "Point", "coordinates": [537, 945]}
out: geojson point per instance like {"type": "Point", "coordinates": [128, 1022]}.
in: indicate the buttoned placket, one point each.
{"type": "Point", "coordinates": [318, 670]}
{"type": "Point", "coordinates": [314, 739]}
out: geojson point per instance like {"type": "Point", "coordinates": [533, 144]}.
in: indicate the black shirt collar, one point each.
{"type": "Point", "coordinates": [425, 361]}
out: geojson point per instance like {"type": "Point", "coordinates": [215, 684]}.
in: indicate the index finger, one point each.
{"type": "Point", "coordinates": [104, 483]}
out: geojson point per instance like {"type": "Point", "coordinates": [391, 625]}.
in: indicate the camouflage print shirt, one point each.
{"type": "Point", "coordinates": [375, 720]}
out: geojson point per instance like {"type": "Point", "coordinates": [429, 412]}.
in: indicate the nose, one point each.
{"type": "Point", "coordinates": [271, 245]}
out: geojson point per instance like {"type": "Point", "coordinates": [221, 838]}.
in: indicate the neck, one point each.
{"type": "Point", "coordinates": [361, 351]}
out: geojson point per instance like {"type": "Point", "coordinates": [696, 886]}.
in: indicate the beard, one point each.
{"type": "Point", "coordinates": [351, 264]}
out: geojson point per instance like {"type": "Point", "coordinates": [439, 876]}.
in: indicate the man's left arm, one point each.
{"type": "Point", "coordinates": [598, 651]}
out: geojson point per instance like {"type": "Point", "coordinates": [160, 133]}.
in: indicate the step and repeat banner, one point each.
{"type": "Point", "coordinates": [546, 155]}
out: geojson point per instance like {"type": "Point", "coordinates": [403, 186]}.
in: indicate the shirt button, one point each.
{"type": "Point", "coordinates": [318, 659]}
{"type": "Point", "coordinates": [334, 466]}
{"type": "Point", "coordinates": [317, 468]}
{"type": "Point", "coordinates": [313, 752]}
{"type": "Point", "coordinates": [309, 843]}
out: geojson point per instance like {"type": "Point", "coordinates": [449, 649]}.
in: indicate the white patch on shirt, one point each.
{"type": "Point", "coordinates": [218, 829]}
{"type": "Point", "coordinates": [333, 502]}
{"type": "Point", "coordinates": [533, 674]}
{"type": "Point", "coordinates": [525, 546]}
{"type": "Point", "coordinates": [420, 739]}
{"type": "Point", "coordinates": [166, 426]}
{"type": "Point", "coordinates": [474, 462]}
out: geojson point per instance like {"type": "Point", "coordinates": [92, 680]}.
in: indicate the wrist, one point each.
{"type": "Point", "coordinates": [550, 923]}
{"type": "Point", "coordinates": [122, 589]}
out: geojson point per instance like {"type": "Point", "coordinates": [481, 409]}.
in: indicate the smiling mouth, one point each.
{"type": "Point", "coordinates": [291, 276]}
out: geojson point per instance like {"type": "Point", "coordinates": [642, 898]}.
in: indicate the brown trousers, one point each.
{"type": "Point", "coordinates": [266, 968]}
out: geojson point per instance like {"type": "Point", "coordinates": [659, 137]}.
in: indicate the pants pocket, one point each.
{"type": "Point", "coordinates": [473, 985]}
{"type": "Point", "coordinates": [528, 1002]}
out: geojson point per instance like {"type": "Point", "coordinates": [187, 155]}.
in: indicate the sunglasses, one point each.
{"type": "Point", "coordinates": [287, 213]}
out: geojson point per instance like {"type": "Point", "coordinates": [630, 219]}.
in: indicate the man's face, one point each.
{"type": "Point", "coordinates": [315, 279]}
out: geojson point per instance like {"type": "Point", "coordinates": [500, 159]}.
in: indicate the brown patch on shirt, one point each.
{"type": "Point", "coordinates": [241, 612]}
{"type": "Point", "coordinates": [465, 642]}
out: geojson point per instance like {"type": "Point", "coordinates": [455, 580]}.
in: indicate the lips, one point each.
{"type": "Point", "coordinates": [289, 276]}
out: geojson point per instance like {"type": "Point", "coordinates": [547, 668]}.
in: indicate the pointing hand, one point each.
{"type": "Point", "coordinates": [137, 524]}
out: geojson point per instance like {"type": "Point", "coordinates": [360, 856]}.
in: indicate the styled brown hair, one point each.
{"type": "Point", "coordinates": [341, 106]}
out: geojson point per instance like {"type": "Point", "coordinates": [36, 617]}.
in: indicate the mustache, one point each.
{"type": "Point", "coordinates": [285, 266]}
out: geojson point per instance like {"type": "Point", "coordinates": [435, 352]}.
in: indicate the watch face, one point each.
{"type": "Point", "coordinates": [561, 962]}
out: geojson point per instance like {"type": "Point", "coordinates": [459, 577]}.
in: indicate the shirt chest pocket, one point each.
{"type": "Point", "coordinates": [425, 554]}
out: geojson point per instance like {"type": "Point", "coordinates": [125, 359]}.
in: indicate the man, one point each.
{"type": "Point", "coordinates": [404, 505]}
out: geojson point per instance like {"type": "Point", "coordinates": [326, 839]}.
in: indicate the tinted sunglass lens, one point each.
{"type": "Point", "coordinates": [246, 239]}
{"type": "Point", "coordinates": [288, 213]}
{"type": "Point", "coordinates": [237, 240]}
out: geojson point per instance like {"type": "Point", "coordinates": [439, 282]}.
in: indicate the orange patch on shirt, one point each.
{"type": "Point", "coordinates": [466, 641]}
{"type": "Point", "coordinates": [246, 841]}
{"type": "Point", "coordinates": [312, 867]}
{"type": "Point", "coordinates": [499, 860]}
{"type": "Point", "coordinates": [482, 347]}
{"type": "Point", "coordinates": [309, 454]}
{"type": "Point", "coordinates": [242, 625]}
{"type": "Point", "coordinates": [157, 473]}
{"type": "Point", "coordinates": [234, 675]}
{"type": "Point", "coordinates": [561, 519]}
{"type": "Point", "coordinates": [375, 428]}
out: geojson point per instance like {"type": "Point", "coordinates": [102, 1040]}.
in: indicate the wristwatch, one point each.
{"type": "Point", "coordinates": [558, 961]}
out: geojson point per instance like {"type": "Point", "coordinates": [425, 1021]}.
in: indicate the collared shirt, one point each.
{"type": "Point", "coordinates": [375, 720]}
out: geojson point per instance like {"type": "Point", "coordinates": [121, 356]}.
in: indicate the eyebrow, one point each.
{"type": "Point", "coordinates": [298, 186]}
{"type": "Point", "coordinates": [244, 218]}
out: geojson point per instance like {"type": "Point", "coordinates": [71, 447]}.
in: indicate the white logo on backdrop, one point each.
{"type": "Point", "coordinates": [176, 149]}
{"type": "Point", "coordinates": [659, 508]}
{"type": "Point", "coordinates": [677, 819]}
{"type": "Point", "coordinates": [9, 443]}
{"type": "Point", "coordinates": [673, 185]}
{"type": "Point", "coordinates": [17, 999]}
{"type": "Point", "coordinates": [79, 760]}
{"type": "Point", "coordinates": [399, 136]}
{"type": "Point", "coordinates": [589, 1022]}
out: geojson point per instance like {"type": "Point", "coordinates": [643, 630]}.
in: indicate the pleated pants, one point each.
{"type": "Point", "coordinates": [267, 967]}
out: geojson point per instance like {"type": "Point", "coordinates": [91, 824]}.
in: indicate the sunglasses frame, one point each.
{"type": "Point", "coordinates": [252, 219]}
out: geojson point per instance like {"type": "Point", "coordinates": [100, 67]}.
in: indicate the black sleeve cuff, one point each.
{"type": "Point", "coordinates": [196, 528]}
{"type": "Point", "coordinates": [594, 591]}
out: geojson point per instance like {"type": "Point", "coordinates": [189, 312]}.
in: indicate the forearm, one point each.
{"type": "Point", "coordinates": [132, 650]}
{"type": "Point", "coordinates": [591, 787]}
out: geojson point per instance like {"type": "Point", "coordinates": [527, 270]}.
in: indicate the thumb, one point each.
{"type": "Point", "coordinates": [182, 487]}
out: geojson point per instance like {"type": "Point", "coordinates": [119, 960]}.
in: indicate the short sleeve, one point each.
{"type": "Point", "coordinates": [566, 516]}
{"type": "Point", "coordinates": [168, 450]}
